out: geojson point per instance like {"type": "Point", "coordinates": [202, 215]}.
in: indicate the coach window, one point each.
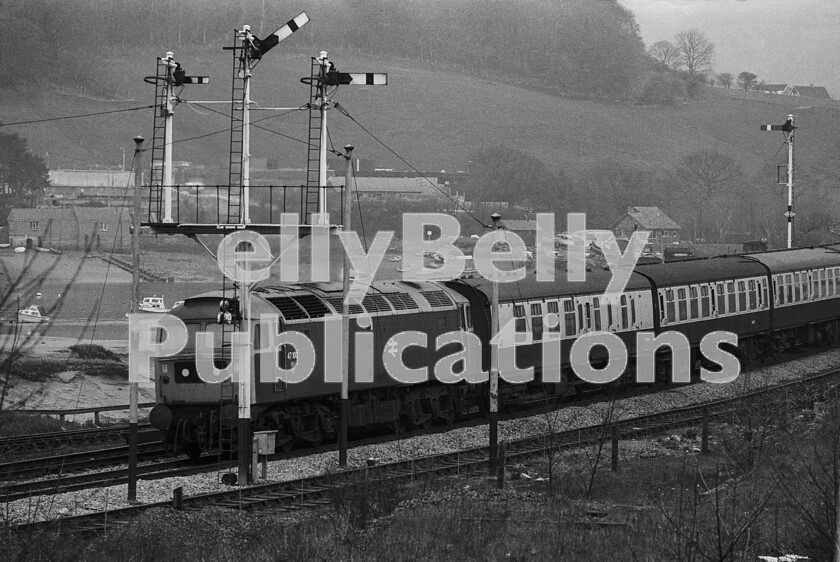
{"type": "Point", "coordinates": [554, 308]}
{"type": "Point", "coordinates": [730, 290]}
{"type": "Point", "coordinates": [721, 299]}
{"type": "Point", "coordinates": [694, 306]}
{"type": "Point", "coordinates": [588, 313]}
{"type": "Point", "coordinates": [788, 288]}
{"type": "Point", "coordinates": [632, 311]}
{"type": "Point", "coordinates": [704, 301]}
{"type": "Point", "coordinates": [580, 317]}
{"type": "Point", "coordinates": [742, 296]}
{"type": "Point", "coordinates": [521, 324]}
{"type": "Point", "coordinates": [623, 312]}
{"type": "Point", "coordinates": [806, 283]}
{"type": "Point", "coordinates": [753, 294]}
{"type": "Point", "coordinates": [823, 292]}
{"type": "Point", "coordinates": [569, 314]}
{"type": "Point", "coordinates": [797, 287]}
{"type": "Point", "coordinates": [537, 320]}
{"type": "Point", "coordinates": [609, 315]}
{"type": "Point", "coordinates": [779, 289]}
{"type": "Point", "coordinates": [830, 275]}
{"type": "Point", "coordinates": [596, 312]}
{"type": "Point", "coordinates": [683, 307]}
{"type": "Point", "coordinates": [670, 307]}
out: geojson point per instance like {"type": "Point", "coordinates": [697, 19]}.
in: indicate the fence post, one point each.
{"type": "Point", "coordinates": [178, 499]}
{"type": "Point", "coordinates": [614, 459]}
{"type": "Point", "coordinates": [500, 467]}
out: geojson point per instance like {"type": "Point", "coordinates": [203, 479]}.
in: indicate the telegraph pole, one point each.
{"type": "Point", "coordinates": [345, 316]}
{"type": "Point", "coordinates": [135, 285]}
{"type": "Point", "coordinates": [494, 366]}
{"type": "Point", "coordinates": [787, 129]}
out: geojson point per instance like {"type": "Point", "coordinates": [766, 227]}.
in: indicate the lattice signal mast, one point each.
{"type": "Point", "coordinates": [169, 76]}
{"type": "Point", "coordinates": [247, 52]}
{"type": "Point", "coordinates": [324, 76]}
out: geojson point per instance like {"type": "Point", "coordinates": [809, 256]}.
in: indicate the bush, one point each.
{"type": "Point", "coordinates": [93, 351]}
{"type": "Point", "coordinates": [662, 89]}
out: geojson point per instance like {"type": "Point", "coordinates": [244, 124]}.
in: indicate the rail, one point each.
{"type": "Point", "coordinates": [95, 411]}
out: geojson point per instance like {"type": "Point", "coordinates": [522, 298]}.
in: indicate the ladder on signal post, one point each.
{"type": "Point", "coordinates": [237, 109]}
{"type": "Point", "coordinates": [162, 80]}
{"type": "Point", "coordinates": [309, 202]}
{"type": "Point", "coordinates": [323, 75]}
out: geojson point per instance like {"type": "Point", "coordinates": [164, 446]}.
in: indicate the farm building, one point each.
{"type": "Point", "coordinates": [663, 230]}
{"type": "Point", "coordinates": [73, 228]}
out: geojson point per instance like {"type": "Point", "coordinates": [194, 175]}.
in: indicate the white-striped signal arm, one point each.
{"type": "Point", "coordinates": [291, 26]}
{"type": "Point", "coordinates": [368, 78]}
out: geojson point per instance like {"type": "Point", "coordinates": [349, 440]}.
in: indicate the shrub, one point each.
{"type": "Point", "coordinates": [93, 351]}
{"type": "Point", "coordinates": [662, 89]}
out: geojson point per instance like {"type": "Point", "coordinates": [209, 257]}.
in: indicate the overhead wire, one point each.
{"type": "Point", "coordinates": [457, 203]}
{"type": "Point", "coordinates": [49, 119]}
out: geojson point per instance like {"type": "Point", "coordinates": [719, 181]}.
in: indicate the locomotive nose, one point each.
{"type": "Point", "coordinates": [161, 417]}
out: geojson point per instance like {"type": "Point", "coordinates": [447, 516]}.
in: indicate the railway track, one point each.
{"type": "Point", "coordinates": [74, 462]}
{"type": "Point", "coordinates": [314, 491]}
{"type": "Point", "coordinates": [55, 440]}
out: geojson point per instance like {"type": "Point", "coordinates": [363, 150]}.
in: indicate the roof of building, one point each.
{"type": "Point", "coordinates": [83, 214]}
{"type": "Point", "coordinates": [813, 92]}
{"type": "Point", "coordinates": [770, 87]}
{"type": "Point", "coordinates": [515, 224]}
{"type": "Point", "coordinates": [651, 218]}
{"type": "Point", "coordinates": [379, 185]}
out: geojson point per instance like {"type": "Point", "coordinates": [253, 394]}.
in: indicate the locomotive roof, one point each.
{"type": "Point", "coordinates": [529, 288]}
{"type": "Point", "coordinates": [800, 258]}
{"type": "Point", "coordinates": [701, 270]}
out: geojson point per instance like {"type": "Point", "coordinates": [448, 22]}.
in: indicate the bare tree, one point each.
{"type": "Point", "coordinates": [665, 53]}
{"type": "Point", "coordinates": [696, 52]}
{"type": "Point", "coordinates": [704, 176]}
{"type": "Point", "coordinates": [747, 80]}
{"type": "Point", "coordinates": [725, 79]}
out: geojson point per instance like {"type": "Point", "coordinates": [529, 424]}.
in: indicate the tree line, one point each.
{"type": "Point", "coordinates": [592, 48]}
{"type": "Point", "coordinates": [708, 194]}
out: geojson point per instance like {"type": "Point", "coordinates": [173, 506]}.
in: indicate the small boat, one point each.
{"type": "Point", "coordinates": [152, 304]}
{"type": "Point", "coordinates": [4, 246]}
{"type": "Point", "coordinates": [20, 250]}
{"type": "Point", "coordinates": [35, 313]}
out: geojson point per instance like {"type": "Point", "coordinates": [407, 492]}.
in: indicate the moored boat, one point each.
{"type": "Point", "coordinates": [34, 314]}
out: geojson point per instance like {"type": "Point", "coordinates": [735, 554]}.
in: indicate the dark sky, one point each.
{"type": "Point", "coordinates": [782, 41]}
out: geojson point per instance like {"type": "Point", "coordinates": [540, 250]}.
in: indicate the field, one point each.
{"type": "Point", "coordinates": [435, 118]}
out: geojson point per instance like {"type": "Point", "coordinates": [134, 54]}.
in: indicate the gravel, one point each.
{"type": "Point", "coordinates": [38, 508]}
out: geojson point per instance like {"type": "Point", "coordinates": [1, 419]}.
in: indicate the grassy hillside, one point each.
{"type": "Point", "coordinates": [434, 118]}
